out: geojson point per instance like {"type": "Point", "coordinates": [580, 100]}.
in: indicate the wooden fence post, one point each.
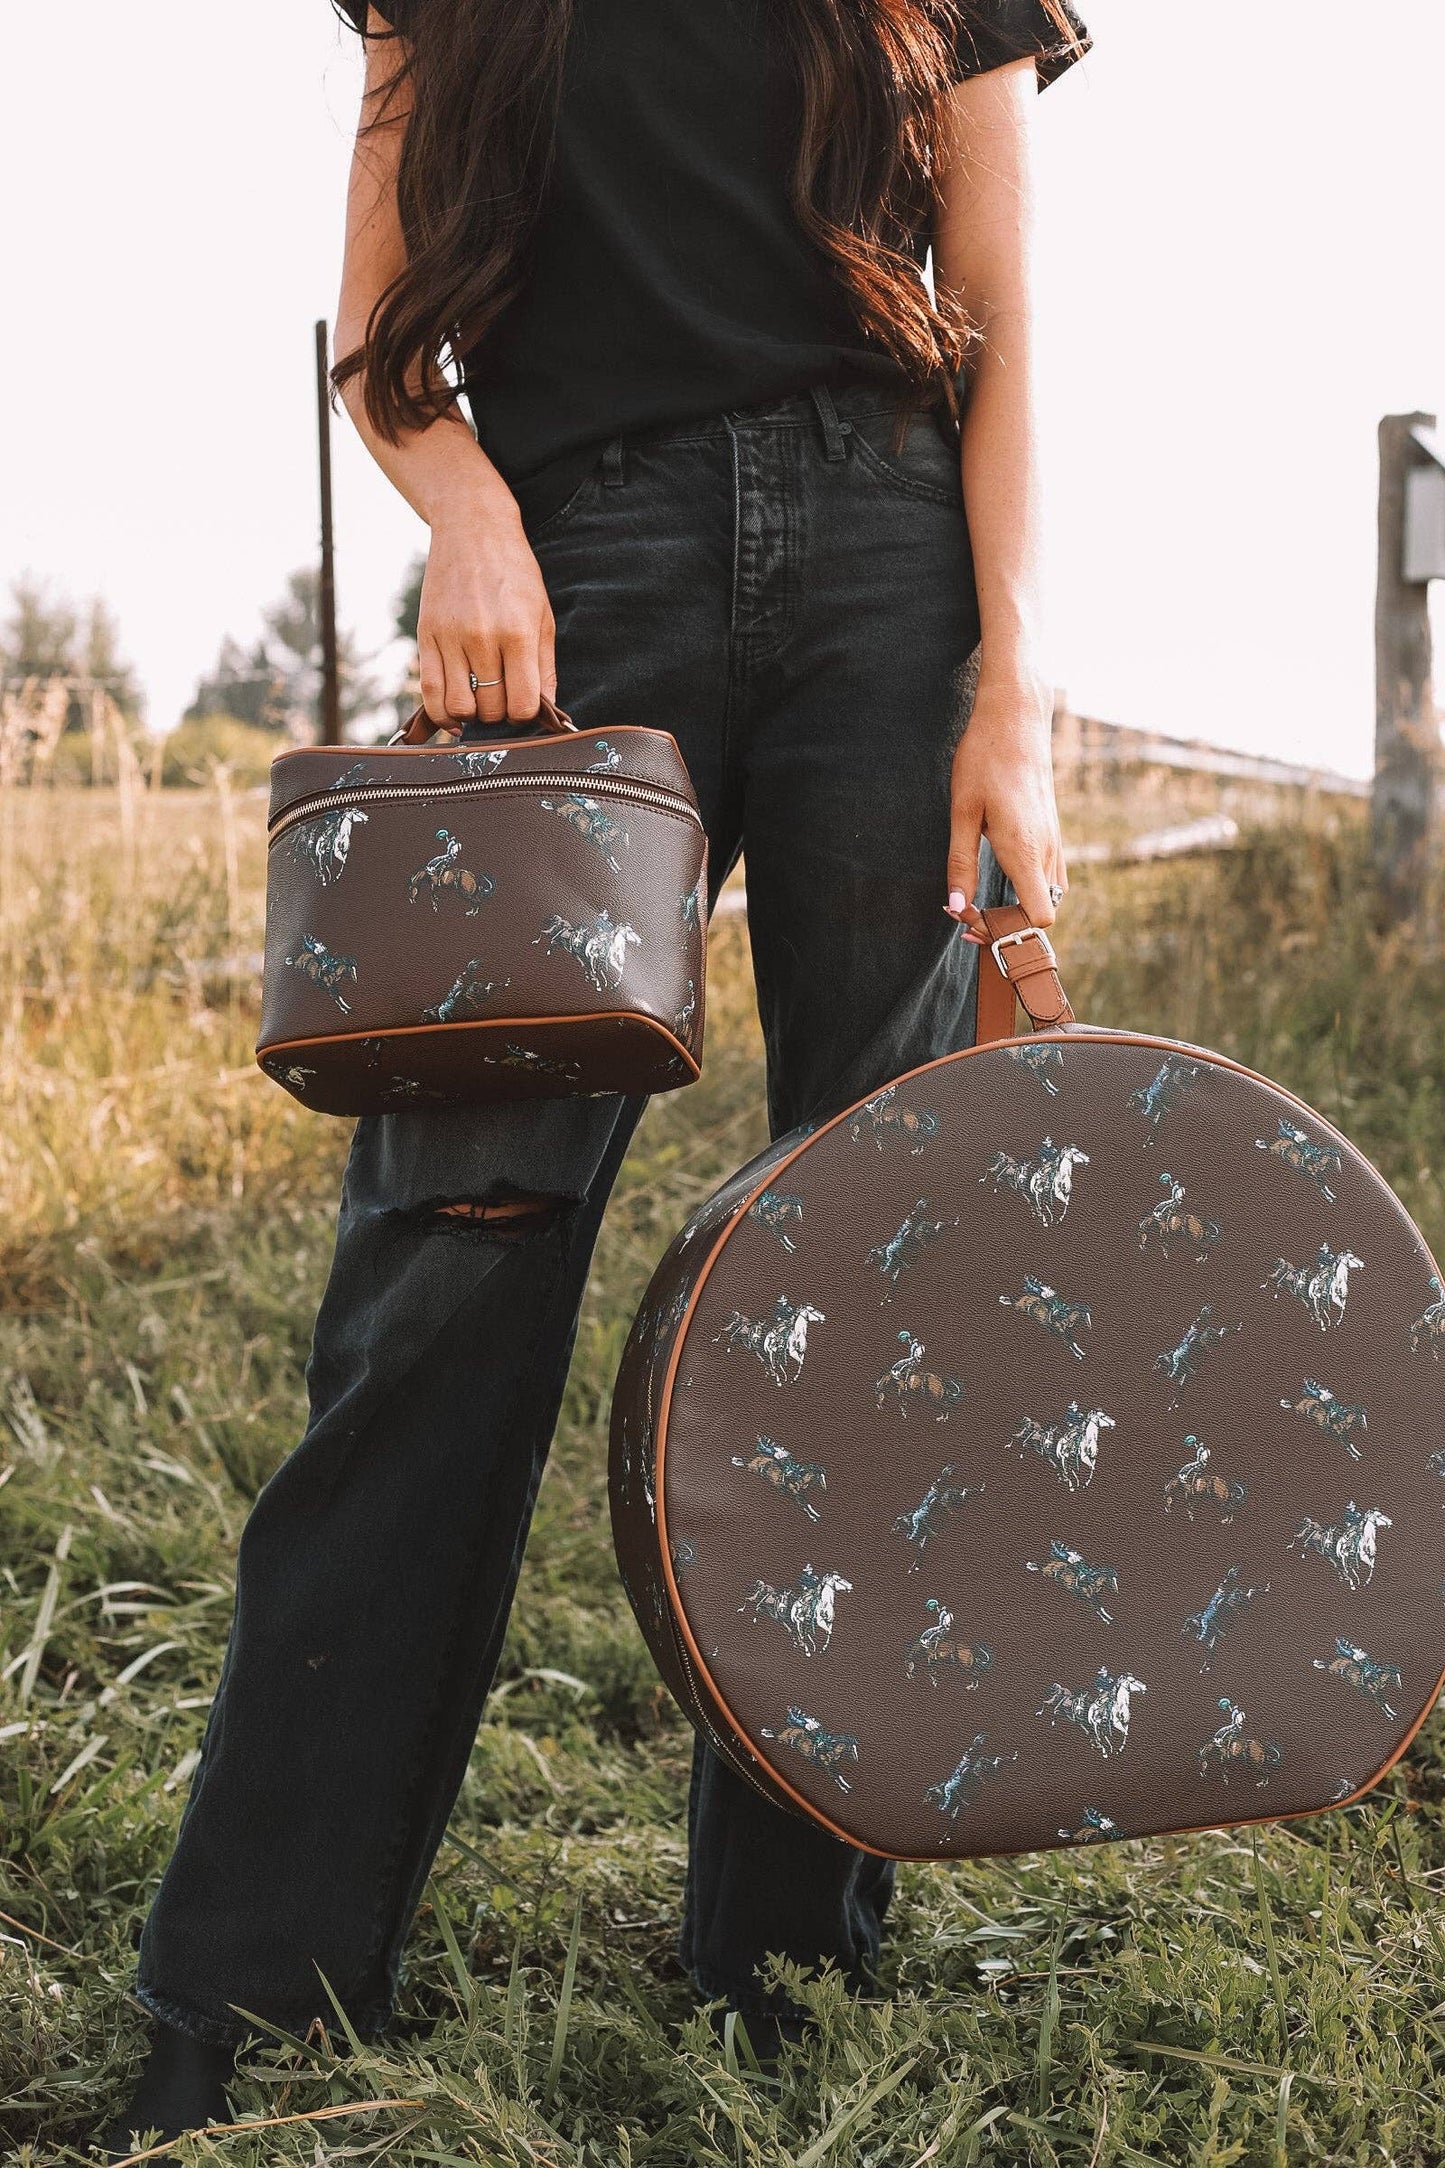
{"type": "Point", "coordinates": [1403, 808]}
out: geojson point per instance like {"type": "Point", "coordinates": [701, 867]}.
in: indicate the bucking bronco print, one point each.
{"type": "Point", "coordinates": [315, 961]}
{"type": "Point", "coordinates": [445, 875]}
{"type": "Point", "coordinates": [1055, 1312]}
{"type": "Point", "coordinates": [809, 1738]}
{"type": "Point", "coordinates": [907, 1380]}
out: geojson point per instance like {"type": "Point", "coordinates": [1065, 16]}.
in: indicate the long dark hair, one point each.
{"type": "Point", "coordinates": [481, 79]}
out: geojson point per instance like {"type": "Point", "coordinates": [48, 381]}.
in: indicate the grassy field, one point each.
{"type": "Point", "coordinates": [1261, 1997]}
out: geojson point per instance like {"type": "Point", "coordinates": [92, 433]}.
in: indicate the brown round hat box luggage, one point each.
{"type": "Point", "coordinates": [1047, 1449]}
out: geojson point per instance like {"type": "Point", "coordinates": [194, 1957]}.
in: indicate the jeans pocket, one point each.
{"type": "Point", "coordinates": [926, 466]}
{"type": "Point", "coordinates": [533, 490]}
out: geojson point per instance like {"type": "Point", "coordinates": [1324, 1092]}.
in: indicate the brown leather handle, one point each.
{"type": "Point", "coordinates": [1018, 963]}
{"type": "Point", "coordinates": [550, 721]}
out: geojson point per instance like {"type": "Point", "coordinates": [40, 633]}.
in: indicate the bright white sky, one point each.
{"type": "Point", "coordinates": [1243, 270]}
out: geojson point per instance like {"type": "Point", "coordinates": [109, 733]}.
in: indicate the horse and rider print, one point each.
{"type": "Point", "coordinates": [1186, 1563]}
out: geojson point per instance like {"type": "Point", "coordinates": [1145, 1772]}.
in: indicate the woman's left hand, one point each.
{"type": "Point", "coordinates": [1003, 788]}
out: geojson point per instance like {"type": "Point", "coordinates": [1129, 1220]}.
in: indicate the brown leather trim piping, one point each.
{"type": "Point", "coordinates": [550, 737]}
{"type": "Point", "coordinates": [480, 1023]}
{"type": "Point", "coordinates": [679, 1614]}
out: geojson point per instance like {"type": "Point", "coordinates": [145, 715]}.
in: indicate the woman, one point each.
{"type": "Point", "coordinates": [717, 485]}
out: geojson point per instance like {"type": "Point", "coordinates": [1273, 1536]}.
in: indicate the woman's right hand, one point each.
{"type": "Point", "coordinates": [484, 614]}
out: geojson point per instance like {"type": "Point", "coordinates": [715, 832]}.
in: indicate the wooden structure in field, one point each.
{"type": "Point", "coordinates": [1097, 756]}
{"type": "Point", "coordinates": [1405, 810]}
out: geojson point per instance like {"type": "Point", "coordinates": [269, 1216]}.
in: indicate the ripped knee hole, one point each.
{"type": "Point", "coordinates": [511, 1218]}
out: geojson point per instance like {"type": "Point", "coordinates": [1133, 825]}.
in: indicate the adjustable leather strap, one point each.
{"type": "Point", "coordinates": [1021, 968]}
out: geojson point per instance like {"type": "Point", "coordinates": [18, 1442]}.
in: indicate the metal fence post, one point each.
{"type": "Point", "coordinates": [330, 717]}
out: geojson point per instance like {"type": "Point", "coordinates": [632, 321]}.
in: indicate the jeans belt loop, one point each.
{"type": "Point", "coordinates": [614, 464]}
{"type": "Point", "coordinates": [833, 444]}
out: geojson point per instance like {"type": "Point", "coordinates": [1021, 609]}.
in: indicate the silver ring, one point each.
{"type": "Point", "coordinates": [1055, 895]}
{"type": "Point", "coordinates": [480, 684]}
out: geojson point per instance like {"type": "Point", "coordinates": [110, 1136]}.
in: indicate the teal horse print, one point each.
{"type": "Point", "coordinates": [882, 1117]}
{"type": "Point", "coordinates": [927, 1520]}
{"type": "Point", "coordinates": [973, 1770]}
{"type": "Point", "coordinates": [593, 823]}
{"type": "Point", "coordinates": [778, 1210]}
{"type": "Point", "coordinates": [1168, 1221]}
{"type": "Point", "coordinates": [637, 1472]}
{"type": "Point", "coordinates": [324, 844]}
{"type": "Point", "coordinates": [1366, 1674]}
{"type": "Point", "coordinates": [938, 1648]}
{"type": "Point", "coordinates": [903, 1249]}
{"type": "Point", "coordinates": [1337, 1418]}
{"type": "Point", "coordinates": [1100, 1710]}
{"type": "Point", "coordinates": [1321, 1286]}
{"type": "Point", "coordinates": [1045, 1182]}
{"type": "Point", "coordinates": [466, 995]}
{"type": "Point", "coordinates": [1070, 1447]}
{"type": "Point", "coordinates": [1055, 1312]}
{"type": "Point", "coordinates": [1293, 1147]}
{"type": "Point", "coordinates": [1428, 1329]}
{"type": "Point", "coordinates": [908, 1380]}
{"type": "Point", "coordinates": [779, 1342]}
{"type": "Point", "coordinates": [1349, 1544]}
{"type": "Point", "coordinates": [445, 875]}
{"type": "Point", "coordinates": [1180, 1363]}
{"type": "Point", "coordinates": [315, 961]}
{"type": "Point", "coordinates": [1042, 1063]}
{"type": "Point", "coordinates": [796, 1479]}
{"type": "Point", "coordinates": [1231, 1749]}
{"type": "Point", "coordinates": [1095, 1828]}
{"type": "Point", "coordinates": [1069, 1569]}
{"type": "Point", "coordinates": [1160, 1097]}
{"type": "Point", "coordinates": [601, 948]}
{"type": "Point", "coordinates": [562, 1066]}
{"type": "Point", "coordinates": [810, 1739]}
{"type": "Point", "coordinates": [608, 760]}
{"type": "Point", "coordinates": [1198, 1482]}
{"type": "Point", "coordinates": [807, 1611]}
{"type": "Point", "coordinates": [1207, 1626]}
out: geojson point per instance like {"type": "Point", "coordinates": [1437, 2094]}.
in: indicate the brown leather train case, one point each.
{"type": "Point", "coordinates": [515, 919]}
{"type": "Point", "coordinates": [1045, 1450]}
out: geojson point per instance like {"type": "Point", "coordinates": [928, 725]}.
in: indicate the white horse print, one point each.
{"type": "Point", "coordinates": [601, 948]}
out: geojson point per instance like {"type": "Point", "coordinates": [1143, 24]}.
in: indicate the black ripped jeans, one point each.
{"type": "Point", "coordinates": [794, 599]}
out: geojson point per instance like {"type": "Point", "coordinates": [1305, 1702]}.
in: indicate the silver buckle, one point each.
{"type": "Point", "coordinates": [1023, 933]}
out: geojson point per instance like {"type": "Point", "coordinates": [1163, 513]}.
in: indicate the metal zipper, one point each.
{"type": "Point", "coordinates": [464, 786]}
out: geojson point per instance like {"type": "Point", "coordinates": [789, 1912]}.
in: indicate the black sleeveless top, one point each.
{"type": "Point", "coordinates": [670, 278]}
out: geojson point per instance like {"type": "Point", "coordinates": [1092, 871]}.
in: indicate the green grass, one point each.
{"type": "Point", "coordinates": [1257, 1996]}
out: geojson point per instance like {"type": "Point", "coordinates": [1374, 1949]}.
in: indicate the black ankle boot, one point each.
{"type": "Point", "coordinates": [769, 2036]}
{"type": "Point", "coordinates": [182, 2087]}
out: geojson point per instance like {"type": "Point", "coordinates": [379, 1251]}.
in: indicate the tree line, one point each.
{"type": "Point", "coordinates": [56, 655]}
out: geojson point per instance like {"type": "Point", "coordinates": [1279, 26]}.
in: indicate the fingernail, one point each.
{"type": "Point", "coordinates": [957, 901]}
{"type": "Point", "coordinates": [966, 933]}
